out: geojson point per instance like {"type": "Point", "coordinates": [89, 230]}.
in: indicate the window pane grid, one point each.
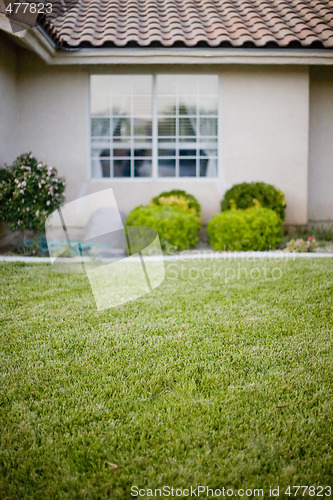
{"type": "Point", "coordinates": [176, 131]}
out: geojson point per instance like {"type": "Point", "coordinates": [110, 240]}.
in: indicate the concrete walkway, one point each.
{"type": "Point", "coordinates": [188, 255]}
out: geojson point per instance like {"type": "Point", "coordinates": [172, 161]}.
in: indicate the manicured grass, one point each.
{"type": "Point", "coordinates": [222, 377]}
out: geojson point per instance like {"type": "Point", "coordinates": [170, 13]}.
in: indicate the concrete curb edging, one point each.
{"type": "Point", "coordinates": [186, 256]}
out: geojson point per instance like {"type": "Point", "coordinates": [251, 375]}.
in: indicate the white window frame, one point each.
{"type": "Point", "coordinates": [155, 177]}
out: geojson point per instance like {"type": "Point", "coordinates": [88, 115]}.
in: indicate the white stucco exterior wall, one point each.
{"type": "Point", "coordinates": [265, 116]}
{"type": "Point", "coordinates": [54, 117]}
{"type": "Point", "coordinates": [8, 101]}
{"type": "Point", "coordinates": [55, 126]}
{"type": "Point", "coordinates": [263, 131]}
{"type": "Point", "coordinates": [321, 145]}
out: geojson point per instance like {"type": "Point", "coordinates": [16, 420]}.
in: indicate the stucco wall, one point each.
{"type": "Point", "coordinates": [54, 105]}
{"type": "Point", "coordinates": [54, 115]}
{"type": "Point", "coordinates": [321, 145]}
{"type": "Point", "coordinates": [264, 133]}
{"type": "Point", "coordinates": [8, 101]}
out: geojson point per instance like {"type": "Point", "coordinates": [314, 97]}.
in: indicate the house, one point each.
{"type": "Point", "coordinates": [147, 96]}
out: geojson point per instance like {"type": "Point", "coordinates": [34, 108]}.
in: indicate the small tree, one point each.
{"type": "Point", "coordinates": [29, 192]}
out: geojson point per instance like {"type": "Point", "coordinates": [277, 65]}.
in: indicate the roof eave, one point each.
{"type": "Point", "coordinates": [40, 42]}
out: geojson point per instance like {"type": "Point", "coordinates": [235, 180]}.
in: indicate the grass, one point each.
{"type": "Point", "coordinates": [222, 377]}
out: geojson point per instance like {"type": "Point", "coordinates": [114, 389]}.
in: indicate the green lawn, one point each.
{"type": "Point", "coordinates": [221, 377]}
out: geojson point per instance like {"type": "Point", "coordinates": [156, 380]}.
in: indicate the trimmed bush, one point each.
{"type": "Point", "coordinates": [29, 192]}
{"type": "Point", "coordinates": [175, 228]}
{"type": "Point", "coordinates": [247, 195]}
{"type": "Point", "coordinates": [178, 199]}
{"type": "Point", "coordinates": [252, 229]}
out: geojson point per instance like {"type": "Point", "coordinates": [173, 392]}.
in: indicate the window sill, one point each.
{"type": "Point", "coordinates": [153, 179]}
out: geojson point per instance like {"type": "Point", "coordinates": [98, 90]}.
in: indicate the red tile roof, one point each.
{"type": "Point", "coordinates": [190, 23]}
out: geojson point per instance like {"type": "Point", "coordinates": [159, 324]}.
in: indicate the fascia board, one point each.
{"type": "Point", "coordinates": [37, 41]}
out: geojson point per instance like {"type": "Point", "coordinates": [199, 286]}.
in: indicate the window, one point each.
{"type": "Point", "coordinates": [154, 126]}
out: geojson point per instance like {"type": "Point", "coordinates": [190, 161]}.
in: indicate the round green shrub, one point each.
{"type": "Point", "coordinates": [256, 228]}
{"type": "Point", "coordinates": [175, 228]}
{"type": "Point", "coordinates": [247, 195]}
{"type": "Point", "coordinates": [178, 199]}
{"type": "Point", "coordinates": [29, 192]}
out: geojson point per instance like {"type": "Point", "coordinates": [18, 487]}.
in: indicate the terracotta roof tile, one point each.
{"type": "Point", "coordinates": [119, 23]}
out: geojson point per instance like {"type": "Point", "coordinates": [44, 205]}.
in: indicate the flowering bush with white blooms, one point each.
{"type": "Point", "coordinates": [29, 192]}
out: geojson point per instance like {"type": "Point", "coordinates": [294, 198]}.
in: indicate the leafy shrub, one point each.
{"type": "Point", "coordinates": [29, 192]}
{"type": "Point", "coordinates": [178, 199]}
{"type": "Point", "coordinates": [247, 195]}
{"type": "Point", "coordinates": [300, 245]}
{"type": "Point", "coordinates": [175, 228]}
{"type": "Point", "coordinates": [256, 228]}
{"type": "Point", "coordinates": [324, 234]}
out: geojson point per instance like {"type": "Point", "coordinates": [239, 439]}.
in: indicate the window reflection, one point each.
{"type": "Point", "coordinates": [167, 167]}
{"type": "Point", "coordinates": [123, 128]}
